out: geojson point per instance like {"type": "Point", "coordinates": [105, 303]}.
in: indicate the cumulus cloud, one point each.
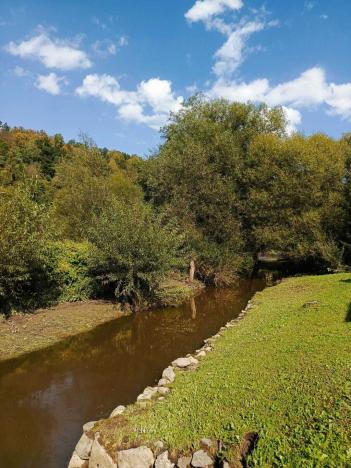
{"type": "Point", "coordinates": [309, 90]}
{"type": "Point", "coordinates": [50, 83]}
{"type": "Point", "coordinates": [204, 10]}
{"type": "Point", "coordinates": [53, 53]}
{"type": "Point", "coordinates": [293, 118]}
{"type": "Point", "coordinates": [150, 103]}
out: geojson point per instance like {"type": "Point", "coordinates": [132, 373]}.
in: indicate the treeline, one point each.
{"type": "Point", "coordinates": [226, 185]}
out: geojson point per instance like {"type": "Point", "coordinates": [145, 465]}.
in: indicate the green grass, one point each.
{"type": "Point", "coordinates": [283, 371]}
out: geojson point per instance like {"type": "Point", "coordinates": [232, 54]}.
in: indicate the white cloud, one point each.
{"type": "Point", "coordinates": [50, 83]}
{"type": "Point", "coordinates": [309, 90]}
{"type": "Point", "coordinates": [241, 92]}
{"type": "Point", "coordinates": [293, 118]}
{"type": "Point", "coordinates": [104, 48]}
{"type": "Point", "coordinates": [306, 90]}
{"type": "Point", "coordinates": [150, 103]}
{"type": "Point", "coordinates": [339, 100]}
{"type": "Point", "coordinates": [230, 56]}
{"type": "Point", "coordinates": [53, 53]}
{"type": "Point", "coordinates": [204, 10]}
{"type": "Point", "coordinates": [123, 41]}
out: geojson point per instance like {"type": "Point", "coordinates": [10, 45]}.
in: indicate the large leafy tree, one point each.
{"type": "Point", "coordinates": [198, 178]}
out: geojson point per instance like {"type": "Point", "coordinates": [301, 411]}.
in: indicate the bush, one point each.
{"type": "Point", "coordinates": [132, 250]}
{"type": "Point", "coordinates": [26, 274]}
{"type": "Point", "coordinates": [72, 270]}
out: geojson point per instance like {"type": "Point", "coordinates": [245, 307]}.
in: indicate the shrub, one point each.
{"type": "Point", "coordinates": [132, 249]}
{"type": "Point", "coordinates": [72, 270]}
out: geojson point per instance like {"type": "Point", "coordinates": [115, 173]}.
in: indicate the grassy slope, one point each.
{"type": "Point", "coordinates": [284, 371]}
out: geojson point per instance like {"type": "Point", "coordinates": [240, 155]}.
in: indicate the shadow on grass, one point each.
{"type": "Point", "coordinates": [348, 314]}
{"type": "Point", "coordinates": [345, 280]}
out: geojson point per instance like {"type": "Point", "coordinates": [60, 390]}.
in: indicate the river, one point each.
{"type": "Point", "coordinates": [46, 396]}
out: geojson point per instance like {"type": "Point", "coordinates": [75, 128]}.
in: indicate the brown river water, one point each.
{"type": "Point", "coordinates": [46, 396]}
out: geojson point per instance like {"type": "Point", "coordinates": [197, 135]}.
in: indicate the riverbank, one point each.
{"type": "Point", "coordinates": [26, 332]}
{"type": "Point", "coordinates": [282, 372]}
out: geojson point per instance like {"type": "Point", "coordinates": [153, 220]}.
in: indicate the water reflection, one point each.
{"type": "Point", "coordinates": [47, 396]}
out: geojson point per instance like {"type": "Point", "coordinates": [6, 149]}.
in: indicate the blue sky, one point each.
{"type": "Point", "coordinates": [115, 69]}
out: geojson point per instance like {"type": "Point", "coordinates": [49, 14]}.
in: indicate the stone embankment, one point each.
{"type": "Point", "coordinates": [90, 452]}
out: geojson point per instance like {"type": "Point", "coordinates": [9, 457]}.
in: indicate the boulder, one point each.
{"type": "Point", "coordinates": [119, 410]}
{"type": "Point", "coordinates": [99, 458]}
{"type": "Point", "coordinates": [162, 382]}
{"type": "Point", "coordinates": [83, 448]}
{"type": "Point", "coordinates": [206, 442]}
{"type": "Point", "coordinates": [163, 390]}
{"type": "Point", "coordinates": [140, 457]}
{"type": "Point", "coordinates": [77, 462]}
{"type": "Point", "coordinates": [184, 462]}
{"type": "Point", "coordinates": [184, 362]}
{"type": "Point", "coordinates": [201, 459]}
{"type": "Point", "coordinates": [88, 426]}
{"type": "Point", "coordinates": [169, 374]}
{"type": "Point", "coordinates": [201, 354]}
{"type": "Point", "coordinates": [148, 393]}
{"type": "Point", "coordinates": [162, 461]}
{"type": "Point", "coordinates": [158, 445]}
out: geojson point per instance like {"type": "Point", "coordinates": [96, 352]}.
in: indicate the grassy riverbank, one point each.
{"type": "Point", "coordinates": [283, 371]}
{"type": "Point", "coordinates": [26, 332]}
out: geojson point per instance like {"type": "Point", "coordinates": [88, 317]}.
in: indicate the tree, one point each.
{"type": "Point", "coordinates": [24, 257]}
{"type": "Point", "coordinates": [197, 176]}
{"type": "Point", "coordinates": [294, 195]}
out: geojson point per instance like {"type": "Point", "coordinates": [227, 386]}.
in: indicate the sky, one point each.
{"type": "Point", "coordinates": [115, 69]}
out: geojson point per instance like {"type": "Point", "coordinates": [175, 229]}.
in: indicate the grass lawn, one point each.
{"type": "Point", "coordinates": [283, 371]}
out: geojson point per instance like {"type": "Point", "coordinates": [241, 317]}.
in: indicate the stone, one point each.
{"type": "Point", "coordinates": [99, 458]}
{"type": "Point", "coordinates": [119, 410]}
{"type": "Point", "coordinates": [158, 445]}
{"type": "Point", "coordinates": [161, 398]}
{"type": "Point", "coordinates": [201, 459]}
{"type": "Point", "coordinates": [163, 390]}
{"type": "Point", "coordinates": [169, 374]}
{"type": "Point", "coordinates": [140, 457]}
{"type": "Point", "coordinates": [184, 462]}
{"type": "Point", "coordinates": [206, 442]}
{"type": "Point", "coordinates": [148, 393]}
{"type": "Point", "coordinates": [182, 363]}
{"type": "Point", "coordinates": [162, 461]}
{"type": "Point", "coordinates": [77, 462]}
{"type": "Point", "coordinates": [201, 354]}
{"type": "Point", "coordinates": [83, 447]}
{"type": "Point", "coordinates": [225, 464]}
{"type": "Point", "coordinates": [88, 426]}
{"type": "Point", "coordinates": [163, 382]}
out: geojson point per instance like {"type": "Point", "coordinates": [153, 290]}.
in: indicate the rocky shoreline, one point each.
{"type": "Point", "coordinates": [90, 453]}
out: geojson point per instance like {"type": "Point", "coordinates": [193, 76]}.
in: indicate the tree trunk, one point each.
{"type": "Point", "coordinates": [192, 271]}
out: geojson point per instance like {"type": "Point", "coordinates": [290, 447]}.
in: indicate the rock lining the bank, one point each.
{"type": "Point", "coordinates": [90, 453]}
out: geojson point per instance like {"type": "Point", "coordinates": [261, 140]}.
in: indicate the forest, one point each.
{"type": "Point", "coordinates": [227, 184]}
